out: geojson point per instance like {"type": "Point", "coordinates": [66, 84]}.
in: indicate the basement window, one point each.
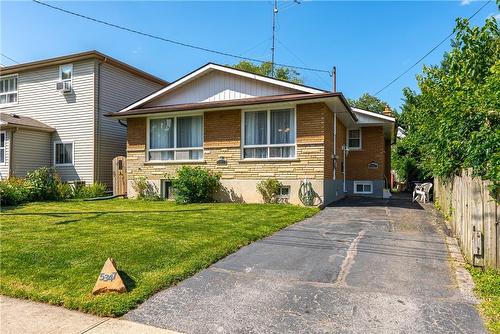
{"type": "Point", "coordinates": [363, 187]}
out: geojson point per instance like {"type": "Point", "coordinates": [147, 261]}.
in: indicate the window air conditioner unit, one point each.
{"type": "Point", "coordinates": [63, 86]}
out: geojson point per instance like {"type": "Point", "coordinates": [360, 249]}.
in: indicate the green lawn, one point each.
{"type": "Point", "coordinates": [488, 289]}
{"type": "Point", "coordinates": [53, 251]}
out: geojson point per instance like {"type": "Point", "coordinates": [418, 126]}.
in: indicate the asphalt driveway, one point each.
{"type": "Point", "coordinates": [361, 266]}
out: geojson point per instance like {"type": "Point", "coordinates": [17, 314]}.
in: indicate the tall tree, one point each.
{"type": "Point", "coordinates": [369, 102]}
{"type": "Point", "coordinates": [454, 121]}
{"type": "Point", "coordinates": [282, 73]}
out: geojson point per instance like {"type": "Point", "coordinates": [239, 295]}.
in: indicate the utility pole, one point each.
{"type": "Point", "coordinates": [275, 12]}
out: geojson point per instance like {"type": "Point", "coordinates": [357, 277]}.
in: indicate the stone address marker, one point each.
{"type": "Point", "coordinates": [109, 280]}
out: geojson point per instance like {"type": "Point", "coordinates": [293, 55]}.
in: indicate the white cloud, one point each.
{"type": "Point", "coordinates": [494, 15]}
{"type": "Point", "coordinates": [465, 2]}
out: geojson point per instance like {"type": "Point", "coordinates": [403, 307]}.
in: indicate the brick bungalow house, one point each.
{"type": "Point", "coordinates": [249, 128]}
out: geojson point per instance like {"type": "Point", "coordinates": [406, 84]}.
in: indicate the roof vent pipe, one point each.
{"type": "Point", "coordinates": [334, 79]}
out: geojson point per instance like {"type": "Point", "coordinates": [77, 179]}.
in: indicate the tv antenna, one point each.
{"type": "Point", "coordinates": [275, 13]}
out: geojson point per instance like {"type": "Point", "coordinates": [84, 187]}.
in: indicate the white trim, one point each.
{"type": "Point", "coordinates": [373, 114]}
{"type": "Point", "coordinates": [5, 105]}
{"type": "Point", "coordinates": [175, 148]}
{"type": "Point", "coordinates": [4, 133]}
{"type": "Point", "coordinates": [210, 67]}
{"type": "Point", "coordinates": [364, 183]}
{"type": "Point", "coordinates": [72, 142]}
{"type": "Point", "coordinates": [67, 80]}
{"type": "Point", "coordinates": [268, 135]}
{"type": "Point", "coordinates": [358, 148]}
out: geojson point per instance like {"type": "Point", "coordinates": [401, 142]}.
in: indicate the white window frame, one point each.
{"type": "Point", "coordinates": [72, 73]}
{"type": "Point", "coordinates": [280, 193]}
{"type": "Point", "coordinates": [4, 147]}
{"type": "Point", "coordinates": [268, 135]}
{"type": "Point", "coordinates": [175, 148]}
{"type": "Point", "coordinates": [3, 105]}
{"type": "Point", "coordinates": [364, 183]}
{"type": "Point", "coordinates": [354, 148]}
{"type": "Point", "coordinates": [72, 152]}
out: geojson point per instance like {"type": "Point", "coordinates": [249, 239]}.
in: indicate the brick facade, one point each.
{"type": "Point", "coordinates": [222, 139]}
{"type": "Point", "coordinates": [372, 149]}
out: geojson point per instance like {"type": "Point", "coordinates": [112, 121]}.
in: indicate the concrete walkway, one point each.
{"type": "Point", "coordinates": [21, 316]}
{"type": "Point", "coordinates": [362, 266]}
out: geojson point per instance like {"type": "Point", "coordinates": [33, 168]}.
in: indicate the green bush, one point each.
{"type": "Point", "coordinates": [64, 190]}
{"type": "Point", "coordinates": [90, 191]}
{"type": "Point", "coordinates": [269, 190]}
{"type": "Point", "coordinates": [14, 191]}
{"type": "Point", "coordinates": [43, 184]}
{"type": "Point", "coordinates": [145, 190]}
{"type": "Point", "coordinates": [195, 185]}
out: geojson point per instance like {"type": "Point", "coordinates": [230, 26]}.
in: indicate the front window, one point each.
{"type": "Point", "coordinates": [176, 138]}
{"type": "Point", "coordinates": [63, 153]}
{"type": "Point", "coordinates": [269, 134]}
{"type": "Point", "coordinates": [2, 147]}
{"type": "Point", "coordinates": [8, 90]}
{"type": "Point", "coordinates": [354, 139]}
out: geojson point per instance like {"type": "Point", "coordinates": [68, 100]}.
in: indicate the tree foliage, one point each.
{"type": "Point", "coordinates": [282, 73]}
{"type": "Point", "coordinates": [453, 122]}
{"type": "Point", "coordinates": [369, 102]}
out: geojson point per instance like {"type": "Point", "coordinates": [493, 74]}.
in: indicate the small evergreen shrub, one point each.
{"type": "Point", "coordinates": [14, 191]}
{"type": "Point", "coordinates": [195, 185]}
{"type": "Point", "coordinates": [269, 190]}
{"type": "Point", "coordinates": [145, 190]}
{"type": "Point", "coordinates": [90, 191]}
{"type": "Point", "coordinates": [43, 184]}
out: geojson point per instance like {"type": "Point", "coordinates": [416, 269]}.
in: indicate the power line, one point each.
{"type": "Point", "coordinates": [429, 52]}
{"type": "Point", "coordinates": [192, 46]}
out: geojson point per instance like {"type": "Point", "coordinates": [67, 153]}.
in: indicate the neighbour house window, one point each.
{"type": "Point", "coordinates": [354, 139]}
{"type": "Point", "coordinates": [176, 138]}
{"type": "Point", "coordinates": [363, 187]}
{"type": "Point", "coordinates": [269, 134]}
{"type": "Point", "coordinates": [63, 153]}
{"type": "Point", "coordinates": [2, 147]}
{"type": "Point", "coordinates": [66, 73]}
{"type": "Point", "coordinates": [8, 90]}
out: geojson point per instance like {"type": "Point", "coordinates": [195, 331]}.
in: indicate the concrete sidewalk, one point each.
{"type": "Point", "coordinates": [22, 316]}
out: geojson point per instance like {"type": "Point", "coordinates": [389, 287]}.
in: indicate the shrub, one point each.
{"type": "Point", "coordinates": [195, 185]}
{"type": "Point", "coordinates": [43, 184]}
{"type": "Point", "coordinates": [90, 191]}
{"type": "Point", "coordinates": [64, 190]}
{"type": "Point", "coordinates": [269, 190]}
{"type": "Point", "coordinates": [14, 191]}
{"type": "Point", "coordinates": [145, 190]}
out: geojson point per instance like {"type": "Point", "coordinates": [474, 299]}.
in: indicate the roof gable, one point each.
{"type": "Point", "coordinates": [214, 82]}
{"type": "Point", "coordinates": [370, 117]}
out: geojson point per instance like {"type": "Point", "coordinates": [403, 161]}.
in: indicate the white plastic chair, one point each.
{"type": "Point", "coordinates": [421, 192]}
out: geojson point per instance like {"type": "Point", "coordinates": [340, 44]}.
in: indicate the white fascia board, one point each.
{"type": "Point", "coordinates": [210, 67]}
{"type": "Point", "coordinates": [373, 114]}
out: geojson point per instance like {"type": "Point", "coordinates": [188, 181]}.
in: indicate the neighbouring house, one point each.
{"type": "Point", "coordinates": [51, 114]}
{"type": "Point", "coordinates": [249, 128]}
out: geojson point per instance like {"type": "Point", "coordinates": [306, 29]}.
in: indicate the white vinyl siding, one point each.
{"type": "Point", "coordinates": [116, 89]}
{"type": "Point", "coordinates": [71, 114]}
{"type": "Point", "coordinates": [31, 151]}
{"type": "Point", "coordinates": [219, 86]}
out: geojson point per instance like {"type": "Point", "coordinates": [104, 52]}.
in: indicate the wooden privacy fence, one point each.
{"type": "Point", "coordinates": [473, 215]}
{"type": "Point", "coordinates": [120, 176]}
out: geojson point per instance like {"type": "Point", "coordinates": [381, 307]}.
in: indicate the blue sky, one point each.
{"type": "Point", "coordinates": [369, 42]}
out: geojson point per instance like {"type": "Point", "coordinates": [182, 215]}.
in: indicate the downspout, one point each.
{"type": "Point", "coordinates": [344, 148]}
{"type": "Point", "coordinates": [11, 151]}
{"type": "Point", "coordinates": [97, 146]}
{"type": "Point", "coordinates": [334, 145]}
